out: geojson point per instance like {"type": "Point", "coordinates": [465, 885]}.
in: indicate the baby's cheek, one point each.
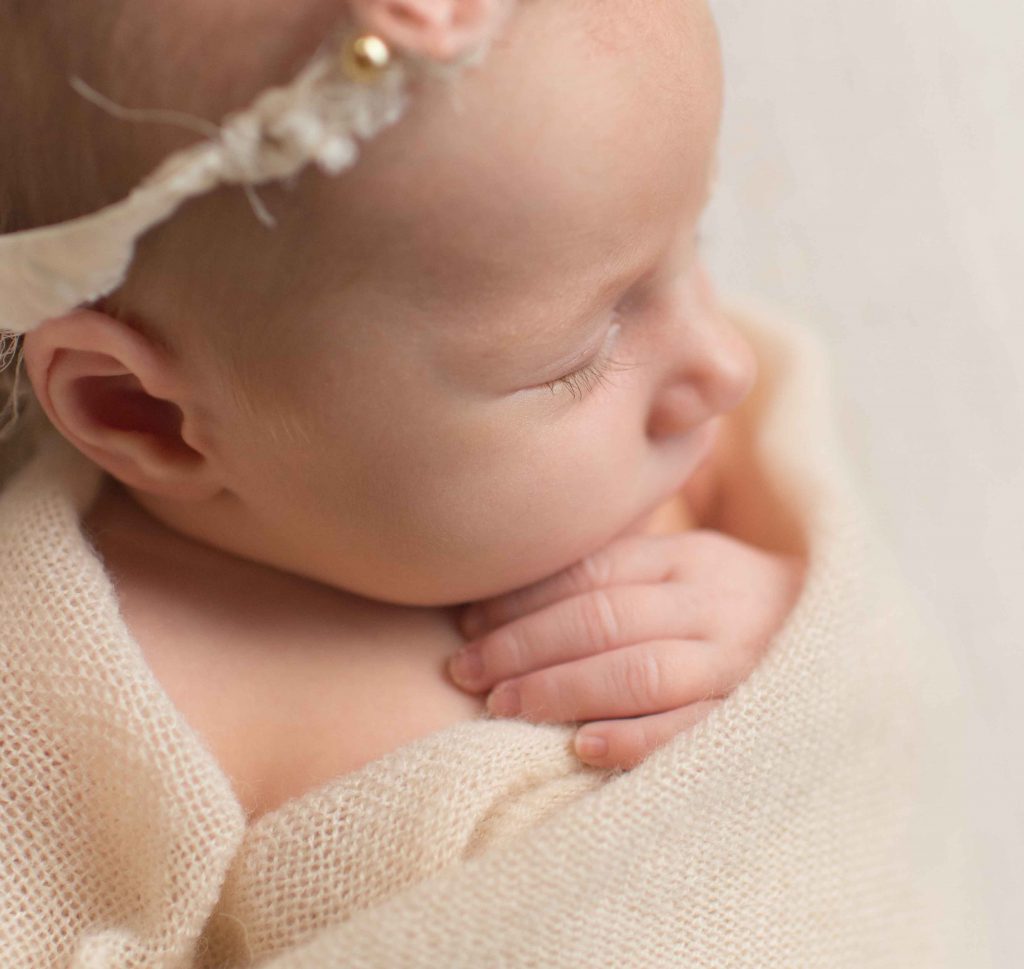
{"type": "Point", "coordinates": [470, 501]}
{"type": "Point", "coordinates": [481, 543]}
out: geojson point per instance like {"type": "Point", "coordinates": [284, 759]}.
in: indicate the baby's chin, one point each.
{"type": "Point", "coordinates": [669, 518]}
{"type": "Point", "coordinates": [676, 513]}
{"type": "Point", "coordinates": [683, 510]}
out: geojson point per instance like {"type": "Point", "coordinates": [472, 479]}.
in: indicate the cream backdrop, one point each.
{"type": "Point", "coordinates": [871, 184]}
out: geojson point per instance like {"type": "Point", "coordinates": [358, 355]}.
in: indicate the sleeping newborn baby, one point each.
{"type": "Point", "coordinates": [468, 399]}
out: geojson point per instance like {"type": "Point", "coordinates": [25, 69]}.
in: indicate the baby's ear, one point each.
{"type": "Point", "coordinates": [122, 401]}
{"type": "Point", "coordinates": [442, 30]}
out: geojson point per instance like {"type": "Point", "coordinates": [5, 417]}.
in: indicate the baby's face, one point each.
{"type": "Point", "coordinates": [528, 356]}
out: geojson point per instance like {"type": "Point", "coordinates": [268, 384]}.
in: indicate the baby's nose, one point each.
{"type": "Point", "coordinates": [715, 371]}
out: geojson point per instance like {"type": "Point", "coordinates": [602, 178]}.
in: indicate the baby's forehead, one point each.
{"type": "Point", "coordinates": [570, 157]}
{"type": "Point", "coordinates": [558, 160]}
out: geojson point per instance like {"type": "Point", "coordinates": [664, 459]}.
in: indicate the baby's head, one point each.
{"type": "Point", "coordinates": [474, 358]}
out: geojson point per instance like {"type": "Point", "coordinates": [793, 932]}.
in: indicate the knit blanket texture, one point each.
{"type": "Point", "coordinates": [815, 820]}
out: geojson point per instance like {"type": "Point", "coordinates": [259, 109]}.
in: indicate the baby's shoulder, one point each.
{"type": "Point", "coordinates": [289, 683]}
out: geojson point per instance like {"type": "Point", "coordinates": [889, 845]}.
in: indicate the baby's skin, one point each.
{"type": "Point", "coordinates": [497, 353]}
{"type": "Point", "coordinates": [651, 630]}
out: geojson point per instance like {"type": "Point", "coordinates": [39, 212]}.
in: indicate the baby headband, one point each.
{"type": "Point", "coordinates": [355, 86]}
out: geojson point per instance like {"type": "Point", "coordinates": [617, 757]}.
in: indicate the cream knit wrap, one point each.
{"type": "Point", "coordinates": [813, 821]}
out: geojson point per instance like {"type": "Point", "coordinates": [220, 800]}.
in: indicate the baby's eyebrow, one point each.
{"type": "Point", "coordinates": [623, 267]}
{"type": "Point", "coordinates": [626, 264]}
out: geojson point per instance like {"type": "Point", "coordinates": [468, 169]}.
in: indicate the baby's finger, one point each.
{"type": "Point", "coordinates": [653, 677]}
{"type": "Point", "coordinates": [636, 559]}
{"type": "Point", "coordinates": [628, 743]}
{"type": "Point", "coordinates": [571, 629]}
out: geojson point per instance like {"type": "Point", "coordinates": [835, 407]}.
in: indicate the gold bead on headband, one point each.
{"type": "Point", "coordinates": [365, 57]}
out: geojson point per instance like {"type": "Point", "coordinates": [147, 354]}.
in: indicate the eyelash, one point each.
{"type": "Point", "coordinates": [581, 382]}
{"type": "Point", "coordinates": [586, 378]}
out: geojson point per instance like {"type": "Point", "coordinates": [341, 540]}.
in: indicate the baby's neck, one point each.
{"type": "Point", "coordinates": [288, 681]}
{"type": "Point", "coordinates": [159, 566]}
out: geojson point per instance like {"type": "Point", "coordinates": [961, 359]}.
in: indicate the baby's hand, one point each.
{"type": "Point", "coordinates": [655, 628]}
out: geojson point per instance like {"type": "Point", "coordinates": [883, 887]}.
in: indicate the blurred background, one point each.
{"type": "Point", "coordinates": [872, 185]}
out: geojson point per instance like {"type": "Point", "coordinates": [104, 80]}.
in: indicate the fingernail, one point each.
{"type": "Point", "coordinates": [504, 701]}
{"type": "Point", "coordinates": [589, 745]}
{"type": "Point", "coordinates": [466, 667]}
